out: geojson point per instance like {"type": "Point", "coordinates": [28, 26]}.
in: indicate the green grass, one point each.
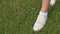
{"type": "Point", "coordinates": [18, 17]}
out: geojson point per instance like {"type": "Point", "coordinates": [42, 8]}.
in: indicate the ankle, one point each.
{"type": "Point", "coordinates": [43, 10]}
{"type": "Point", "coordinates": [43, 13]}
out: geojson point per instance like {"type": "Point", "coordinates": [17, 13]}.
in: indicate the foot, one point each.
{"type": "Point", "coordinates": [40, 22]}
{"type": "Point", "coordinates": [52, 2]}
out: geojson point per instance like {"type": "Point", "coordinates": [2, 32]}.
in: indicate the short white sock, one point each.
{"type": "Point", "coordinates": [43, 13]}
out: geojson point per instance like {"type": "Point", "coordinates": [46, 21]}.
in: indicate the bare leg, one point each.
{"type": "Point", "coordinates": [45, 4]}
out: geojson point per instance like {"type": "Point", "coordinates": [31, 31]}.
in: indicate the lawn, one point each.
{"type": "Point", "coordinates": [18, 17]}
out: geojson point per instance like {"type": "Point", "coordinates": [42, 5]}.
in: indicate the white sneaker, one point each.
{"type": "Point", "coordinates": [52, 2]}
{"type": "Point", "coordinates": [40, 22]}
